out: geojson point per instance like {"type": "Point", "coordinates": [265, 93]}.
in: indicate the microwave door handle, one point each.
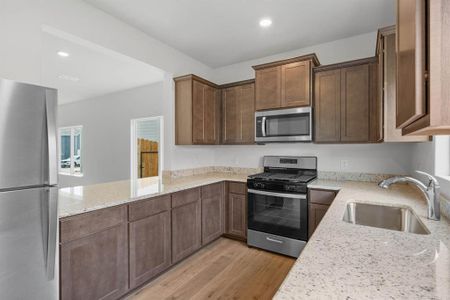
{"type": "Point", "coordinates": [263, 125]}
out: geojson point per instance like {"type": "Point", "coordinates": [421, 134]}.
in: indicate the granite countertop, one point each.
{"type": "Point", "coordinates": [346, 261]}
{"type": "Point", "coordinates": [80, 199]}
{"type": "Point", "coordinates": [325, 184]}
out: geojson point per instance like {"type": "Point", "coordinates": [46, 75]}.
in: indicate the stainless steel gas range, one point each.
{"type": "Point", "coordinates": [278, 204]}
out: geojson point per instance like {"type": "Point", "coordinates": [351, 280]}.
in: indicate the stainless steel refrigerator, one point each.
{"type": "Point", "coordinates": [28, 192]}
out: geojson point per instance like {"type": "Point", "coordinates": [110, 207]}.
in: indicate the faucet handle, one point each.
{"type": "Point", "coordinates": [432, 180]}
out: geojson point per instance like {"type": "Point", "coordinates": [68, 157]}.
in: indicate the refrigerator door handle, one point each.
{"type": "Point", "coordinates": [50, 239]}
{"type": "Point", "coordinates": [50, 109]}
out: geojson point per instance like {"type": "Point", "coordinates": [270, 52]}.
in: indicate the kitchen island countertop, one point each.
{"type": "Point", "coordinates": [81, 199]}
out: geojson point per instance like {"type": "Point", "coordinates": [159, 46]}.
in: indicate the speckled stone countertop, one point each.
{"type": "Point", "coordinates": [326, 184]}
{"type": "Point", "coordinates": [346, 261]}
{"type": "Point", "coordinates": [76, 200]}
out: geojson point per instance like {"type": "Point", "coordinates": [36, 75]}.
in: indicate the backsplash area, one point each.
{"type": "Point", "coordinates": [352, 176]}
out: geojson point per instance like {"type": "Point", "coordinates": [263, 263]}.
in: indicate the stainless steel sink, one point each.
{"type": "Point", "coordinates": [387, 217]}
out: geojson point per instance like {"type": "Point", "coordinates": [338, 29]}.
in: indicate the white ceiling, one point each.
{"type": "Point", "coordinates": [99, 72]}
{"type": "Point", "coordinates": [223, 32]}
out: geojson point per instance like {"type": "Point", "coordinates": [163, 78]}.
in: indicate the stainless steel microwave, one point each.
{"type": "Point", "coordinates": [284, 125]}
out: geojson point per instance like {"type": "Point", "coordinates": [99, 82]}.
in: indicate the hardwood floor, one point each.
{"type": "Point", "coordinates": [225, 269]}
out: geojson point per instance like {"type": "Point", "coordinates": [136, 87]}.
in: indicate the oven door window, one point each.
{"type": "Point", "coordinates": [288, 125]}
{"type": "Point", "coordinates": [283, 216]}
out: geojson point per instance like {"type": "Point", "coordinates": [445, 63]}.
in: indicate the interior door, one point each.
{"type": "Point", "coordinates": [27, 116]}
{"type": "Point", "coordinates": [28, 239]}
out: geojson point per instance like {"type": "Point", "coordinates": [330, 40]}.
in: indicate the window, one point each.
{"type": "Point", "coordinates": [70, 151]}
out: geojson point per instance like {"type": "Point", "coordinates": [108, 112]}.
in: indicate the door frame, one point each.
{"type": "Point", "coordinates": [133, 146]}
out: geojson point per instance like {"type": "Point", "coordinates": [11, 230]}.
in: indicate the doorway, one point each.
{"type": "Point", "coordinates": [146, 147]}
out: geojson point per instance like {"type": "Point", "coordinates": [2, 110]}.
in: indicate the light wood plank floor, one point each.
{"type": "Point", "coordinates": [225, 269]}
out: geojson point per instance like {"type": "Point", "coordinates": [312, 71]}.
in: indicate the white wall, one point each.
{"type": "Point", "coordinates": [106, 134]}
{"type": "Point", "coordinates": [373, 158]}
{"type": "Point", "coordinates": [360, 46]}
{"type": "Point", "coordinates": [433, 158]}
{"type": "Point", "coordinates": [106, 131]}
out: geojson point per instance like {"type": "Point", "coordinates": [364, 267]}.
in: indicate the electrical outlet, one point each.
{"type": "Point", "coordinates": [344, 165]}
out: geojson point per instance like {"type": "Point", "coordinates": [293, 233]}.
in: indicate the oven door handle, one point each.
{"type": "Point", "coordinates": [293, 196]}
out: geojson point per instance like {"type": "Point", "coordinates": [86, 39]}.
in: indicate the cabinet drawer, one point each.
{"type": "Point", "coordinates": [185, 197]}
{"type": "Point", "coordinates": [72, 228]}
{"type": "Point", "coordinates": [321, 196]}
{"type": "Point", "coordinates": [149, 207]}
{"type": "Point", "coordinates": [237, 188]}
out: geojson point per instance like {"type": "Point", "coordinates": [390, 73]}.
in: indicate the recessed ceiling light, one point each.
{"type": "Point", "coordinates": [69, 78]}
{"type": "Point", "coordinates": [63, 54]}
{"type": "Point", "coordinates": [266, 22]}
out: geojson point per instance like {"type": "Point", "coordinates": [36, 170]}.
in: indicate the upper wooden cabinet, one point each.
{"type": "Point", "coordinates": [197, 111]}
{"type": "Point", "coordinates": [296, 84]}
{"type": "Point", "coordinates": [423, 61]}
{"type": "Point", "coordinates": [387, 86]}
{"type": "Point", "coordinates": [238, 113]}
{"type": "Point", "coordinates": [268, 88]}
{"type": "Point", "coordinates": [285, 83]}
{"type": "Point", "coordinates": [327, 106]}
{"type": "Point", "coordinates": [346, 106]}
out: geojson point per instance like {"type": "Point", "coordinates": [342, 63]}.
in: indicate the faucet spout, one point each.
{"type": "Point", "coordinates": [431, 192]}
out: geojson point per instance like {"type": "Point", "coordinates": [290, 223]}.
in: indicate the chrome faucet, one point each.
{"type": "Point", "coordinates": [431, 192]}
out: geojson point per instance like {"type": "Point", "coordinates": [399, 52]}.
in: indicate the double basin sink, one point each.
{"type": "Point", "coordinates": [387, 217]}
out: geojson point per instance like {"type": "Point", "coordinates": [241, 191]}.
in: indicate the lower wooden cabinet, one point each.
{"type": "Point", "coordinates": [319, 202]}
{"type": "Point", "coordinates": [186, 223]}
{"type": "Point", "coordinates": [106, 253]}
{"type": "Point", "coordinates": [212, 212]}
{"type": "Point", "coordinates": [150, 247]}
{"type": "Point", "coordinates": [237, 210]}
{"type": "Point", "coordinates": [95, 266]}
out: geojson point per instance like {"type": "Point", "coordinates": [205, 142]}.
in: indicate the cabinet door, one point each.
{"type": "Point", "coordinates": [150, 247]}
{"type": "Point", "coordinates": [327, 106]}
{"type": "Point", "coordinates": [96, 266]}
{"type": "Point", "coordinates": [212, 212]}
{"type": "Point", "coordinates": [324, 197]}
{"type": "Point", "coordinates": [316, 213]}
{"type": "Point", "coordinates": [198, 113]}
{"type": "Point", "coordinates": [268, 88]}
{"type": "Point", "coordinates": [231, 115]}
{"type": "Point", "coordinates": [355, 98]}
{"type": "Point", "coordinates": [186, 230]}
{"type": "Point", "coordinates": [411, 61]}
{"type": "Point", "coordinates": [210, 115]}
{"type": "Point", "coordinates": [295, 84]}
{"type": "Point", "coordinates": [237, 215]}
{"type": "Point", "coordinates": [247, 111]}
